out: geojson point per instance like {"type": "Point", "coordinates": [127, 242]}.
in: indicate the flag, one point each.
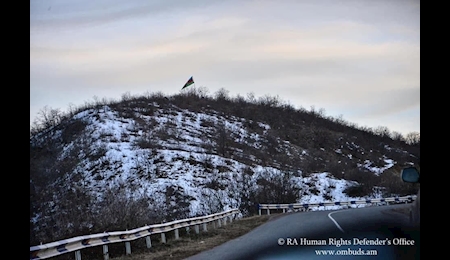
{"type": "Point", "coordinates": [188, 83]}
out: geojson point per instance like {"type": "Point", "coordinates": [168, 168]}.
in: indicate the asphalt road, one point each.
{"type": "Point", "coordinates": [364, 233]}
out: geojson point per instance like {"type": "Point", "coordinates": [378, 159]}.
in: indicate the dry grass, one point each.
{"type": "Point", "coordinates": [192, 244]}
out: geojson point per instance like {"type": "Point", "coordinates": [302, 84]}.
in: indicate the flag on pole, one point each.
{"type": "Point", "coordinates": [188, 83]}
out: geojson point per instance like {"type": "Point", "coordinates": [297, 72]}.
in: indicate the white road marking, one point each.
{"type": "Point", "coordinates": [335, 222]}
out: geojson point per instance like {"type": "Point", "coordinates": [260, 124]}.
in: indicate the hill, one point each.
{"type": "Point", "coordinates": [116, 165]}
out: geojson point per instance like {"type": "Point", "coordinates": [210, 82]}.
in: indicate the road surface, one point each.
{"type": "Point", "coordinates": [378, 232]}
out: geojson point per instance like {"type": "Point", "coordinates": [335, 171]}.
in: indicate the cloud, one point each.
{"type": "Point", "coordinates": [217, 43]}
{"type": "Point", "coordinates": [86, 13]}
{"type": "Point", "coordinates": [352, 61]}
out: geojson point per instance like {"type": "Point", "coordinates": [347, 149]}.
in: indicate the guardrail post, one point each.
{"type": "Point", "coordinates": [196, 229]}
{"type": "Point", "coordinates": [284, 210]}
{"type": "Point", "coordinates": [268, 211]}
{"type": "Point", "coordinates": [105, 252]}
{"type": "Point", "coordinates": [148, 241]}
{"type": "Point", "coordinates": [78, 255]}
{"type": "Point", "coordinates": [127, 248]}
{"type": "Point", "coordinates": [187, 230]}
{"type": "Point", "coordinates": [95, 239]}
{"type": "Point", "coordinates": [259, 211]}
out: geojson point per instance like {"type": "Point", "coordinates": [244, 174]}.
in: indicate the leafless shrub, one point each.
{"type": "Point", "coordinates": [177, 204]}
{"type": "Point", "coordinates": [162, 133]}
{"type": "Point", "coordinates": [121, 209]}
{"type": "Point", "coordinates": [211, 201]}
{"type": "Point", "coordinates": [146, 141]}
{"type": "Point", "coordinates": [355, 191]}
{"type": "Point", "coordinates": [207, 161]}
{"type": "Point", "coordinates": [207, 123]}
{"type": "Point", "coordinates": [277, 188]}
{"type": "Point", "coordinates": [72, 129]}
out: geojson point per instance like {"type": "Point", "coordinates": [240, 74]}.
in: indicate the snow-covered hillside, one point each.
{"type": "Point", "coordinates": [179, 159]}
{"type": "Point", "coordinates": [208, 160]}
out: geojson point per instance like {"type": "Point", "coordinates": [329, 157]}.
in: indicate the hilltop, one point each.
{"type": "Point", "coordinates": [116, 165]}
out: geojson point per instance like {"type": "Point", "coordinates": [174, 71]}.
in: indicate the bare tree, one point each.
{"type": "Point", "coordinates": [382, 131]}
{"type": "Point", "coordinates": [222, 139]}
{"type": "Point", "coordinates": [48, 117]}
{"type": "Point", "coordinates": [413, 138]}
{"type": "Point", "coordinates": [397, 136]}
{"type": "Point", "coordinates": [222, 94]}
{"type": "Point", "coordinates": [270, 101]}
{"type": "Point", "coordinates": [243, 192]}
{"type": "Point", "coordinates": [251, 97]}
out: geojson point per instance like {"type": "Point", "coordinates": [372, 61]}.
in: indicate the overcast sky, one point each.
{"type": "Point", "coordinates": [355, 58]}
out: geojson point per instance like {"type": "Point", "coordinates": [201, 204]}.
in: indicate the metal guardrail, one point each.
{"type": "Point", "coordinates": [305, 206]}
{"type": "Point", "coordinates": [77, 243]}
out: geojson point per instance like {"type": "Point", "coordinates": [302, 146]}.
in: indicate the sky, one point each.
{"type": "Point", "coordinates": [358, 59]}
